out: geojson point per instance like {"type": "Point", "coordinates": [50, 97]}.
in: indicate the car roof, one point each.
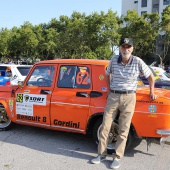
{"type": "Point", "coordinates": [76, 61]}
{"type": "Point", "coordinates": [158, 68]}
{"type": "Point", "coordinates": [15, 65]}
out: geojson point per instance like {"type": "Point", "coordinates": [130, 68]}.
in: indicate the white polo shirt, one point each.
{"type": "Point", "coordinates": [124, 77]}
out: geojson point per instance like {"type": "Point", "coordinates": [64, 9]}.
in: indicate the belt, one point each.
{"type": "Point", "coordinates": [123, 92]}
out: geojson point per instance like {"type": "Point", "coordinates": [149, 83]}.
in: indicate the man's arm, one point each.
{"type": "Point", "coordinates": [108, 83]}
{"type": "Point", "coordinates": [151, 85]}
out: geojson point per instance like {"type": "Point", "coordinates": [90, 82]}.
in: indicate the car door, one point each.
{"type": "Point", "coordinates": [71, 98]}
{"type": "Point", "coordinates": [33, 100]}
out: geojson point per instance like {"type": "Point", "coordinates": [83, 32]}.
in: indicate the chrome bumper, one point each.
{"type": "Point", "coordinates": [163, 132]}
{"type": "Point", "coordinates": [163, 140]}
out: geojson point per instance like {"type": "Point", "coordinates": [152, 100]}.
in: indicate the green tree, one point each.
{"type": "Point", "coordinates": [4, 37]}
{"type": "Point", "coordinates": [163, 41]}
{"type": "Point", "coordinates": [143, 30]}
{"type": "Point", "coordinates": [110, 31]}
{"type": "Point", "coordinates": [39, 32]}
{"type": "Point", "coordinates": [28, 41]}
{"type": "Point", "coordinates": [13, 42]}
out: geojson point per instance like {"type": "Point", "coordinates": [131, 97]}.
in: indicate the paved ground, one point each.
{"type": "Point", "coordinates": [28, 148]}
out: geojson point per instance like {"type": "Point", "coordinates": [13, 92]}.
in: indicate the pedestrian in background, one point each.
{"type": "Point", "coordinates": [169, 69]}
{"type": "Point", "coordinates": [9, 61]}
{"type": "Point", "coordinates": [121, 76]}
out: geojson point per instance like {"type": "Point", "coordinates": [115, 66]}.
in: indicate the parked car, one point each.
{"type": "Point", "coordinates": [4, 80]}
{"type": "Point", "coordinates": [165, 84]}
{"type": "Point", "coordinates": [163, 75]}
{"type": "Point", "coordinates": [14, 73]}
{"type": "Point", "coordinates": [71, 97]}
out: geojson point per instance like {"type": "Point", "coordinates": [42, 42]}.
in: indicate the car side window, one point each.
{"type": "Point", "coordinates": [5, 71]}
{"type": "Point", "coordinates": [74, 77]}
{"type": "Point", "coordinates": [67, 76]}
{"type": "Point", "coordinates": [83, 78]}
{"type": "Point", "coordinates": [8, 72]}
{"type": "Point", "coordinates": [42, 76]}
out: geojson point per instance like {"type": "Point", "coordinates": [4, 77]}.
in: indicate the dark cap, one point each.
{"type": "Point", "coordinates": [127, 41]}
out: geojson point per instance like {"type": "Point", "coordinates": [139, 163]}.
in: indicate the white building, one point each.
{"type": "Point", "coordinates": [142, 6]}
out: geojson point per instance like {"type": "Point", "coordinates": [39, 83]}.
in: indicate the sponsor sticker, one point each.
{"type": "Point", "coordinates": [26, 91]}
{"type": "Point", "coordinates": [101, 77]}
{"type": "Point", "coordinates": [31, 99]}
{"type": "Point", "coordinates": [24, 109]}
{"type": "Point", "coordinates": [103, 88]}
{"type": "Point", "coordinates": [152, 108]}
{"type": "Point", "coordinates": [11, 103]}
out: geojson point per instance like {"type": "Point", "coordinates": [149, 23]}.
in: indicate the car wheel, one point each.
{"type": "Point", "coordinates": [112, 136]}
{"type": "Point", "coordinates": [5, 122]}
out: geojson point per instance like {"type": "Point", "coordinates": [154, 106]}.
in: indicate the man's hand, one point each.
{"type": "Point", "coordinates": [153, 96]}
{"type": "Point", "coordinates": [151, 85]}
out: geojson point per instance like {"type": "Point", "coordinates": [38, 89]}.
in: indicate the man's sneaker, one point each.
{"type": "Point", "coordinates": [98, 159]}
{"type": "Point", "coordinates": [115, 164]}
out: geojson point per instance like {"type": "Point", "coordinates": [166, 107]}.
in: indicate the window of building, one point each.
{"type": "Point", "coordinates": [144, 3]}
{"type": "Point", "coordinates": [135, 2]}
{"type": "Point", "coordinates": [156, 6]}
{"type": "Point", "coordinates": [166, 2]}
{"type": "Point", "coordinates": [142, 12]}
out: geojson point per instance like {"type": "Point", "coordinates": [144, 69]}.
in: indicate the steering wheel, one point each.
{"type": "Point", "coordinates": [42, 82]}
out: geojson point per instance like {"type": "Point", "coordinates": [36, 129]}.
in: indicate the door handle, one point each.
{"type": "Point", "coordinates": [94, 94]}
{"type": "Point", "coordinates": [45, 92]}
{"type": "Point", "coordinates": [82, 94]}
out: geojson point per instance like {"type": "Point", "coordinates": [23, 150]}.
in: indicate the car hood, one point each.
{"type": "Point", "coordinates": [163, 82]}
{"type": "Point", "coordinates": [158, 82]}
{"type": "Point", "coordinates": [163, 94]}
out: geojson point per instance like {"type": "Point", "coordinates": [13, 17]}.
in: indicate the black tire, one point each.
{"type": "Point", "coordinates": [96, 130]}
{"type": "Point", "coordinates": [5, 122]}
{"type": "Point", "coordinates": [112, 136]}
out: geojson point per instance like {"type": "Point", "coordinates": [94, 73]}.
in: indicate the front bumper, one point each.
{"type": "Point", "coordinates": [164, 140]}
{"type": "Point", "coordinates": [163, 132]}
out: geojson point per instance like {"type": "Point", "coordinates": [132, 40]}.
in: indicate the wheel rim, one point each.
{"type": "Point", "coordinates": [112, 138]}
{"type": "Point", "coordinates": [4, 119]}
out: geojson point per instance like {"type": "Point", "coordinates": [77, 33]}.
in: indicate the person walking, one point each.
{"type": "Point", "coordinates": [121, 77]}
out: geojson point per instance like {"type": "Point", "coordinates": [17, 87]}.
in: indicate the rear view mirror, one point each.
{"type": "Point", "coordinates": [20, 84]}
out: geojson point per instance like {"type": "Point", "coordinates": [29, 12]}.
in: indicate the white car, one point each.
{"type": "Point", "coordinates": [163, 75]}
{"type": "Point", "coordinates": [14, 72]}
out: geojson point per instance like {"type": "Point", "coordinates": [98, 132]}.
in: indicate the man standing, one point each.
{"type": "Point", "coordinates": [121, 76]}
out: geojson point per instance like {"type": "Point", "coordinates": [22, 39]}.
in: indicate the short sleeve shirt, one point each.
{"type": "Point", "coordinates": [125, 77]}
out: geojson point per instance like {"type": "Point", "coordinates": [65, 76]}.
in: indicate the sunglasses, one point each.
{"type": "Point", "coordinates": [126, 46]}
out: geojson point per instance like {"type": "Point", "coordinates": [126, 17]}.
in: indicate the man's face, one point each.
{"type": "Point", "coordinates": [126, 51]}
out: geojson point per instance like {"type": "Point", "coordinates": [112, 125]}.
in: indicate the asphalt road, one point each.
{"type": "Point", "coordinates": [29, 148]}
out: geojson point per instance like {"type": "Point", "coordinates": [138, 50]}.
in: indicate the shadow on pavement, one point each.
{"type": "Point", "coordinates": [56, 142]}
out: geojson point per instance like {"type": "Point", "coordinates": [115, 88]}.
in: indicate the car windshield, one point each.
{"type": "Point", "coordinates": [154, 74]}
{"type": "Point", "coordinates": [3, 71]}
{"type": "Point", "coordinates": [166, 74]}
{"type": "Point", "coordinates": [24, 70]}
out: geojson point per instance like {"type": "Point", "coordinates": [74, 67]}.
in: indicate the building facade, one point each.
{"type": "Point", "coordinates": [143, 6]}
{"type": "Point", "coordinates": [146, 6]}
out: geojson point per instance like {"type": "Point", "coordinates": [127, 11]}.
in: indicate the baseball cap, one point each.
{"type": "Point", "coordinates": [127, 41]}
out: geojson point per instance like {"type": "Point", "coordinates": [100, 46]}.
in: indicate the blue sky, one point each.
{"type": "Point", "coordinates": [16, 12]}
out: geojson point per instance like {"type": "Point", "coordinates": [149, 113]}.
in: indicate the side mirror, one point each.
{"type": "Point", "coordinates": [20, 84]}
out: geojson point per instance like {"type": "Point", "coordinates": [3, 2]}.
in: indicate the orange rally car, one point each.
{"type": "Point", "coordinates": [70, 95]}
